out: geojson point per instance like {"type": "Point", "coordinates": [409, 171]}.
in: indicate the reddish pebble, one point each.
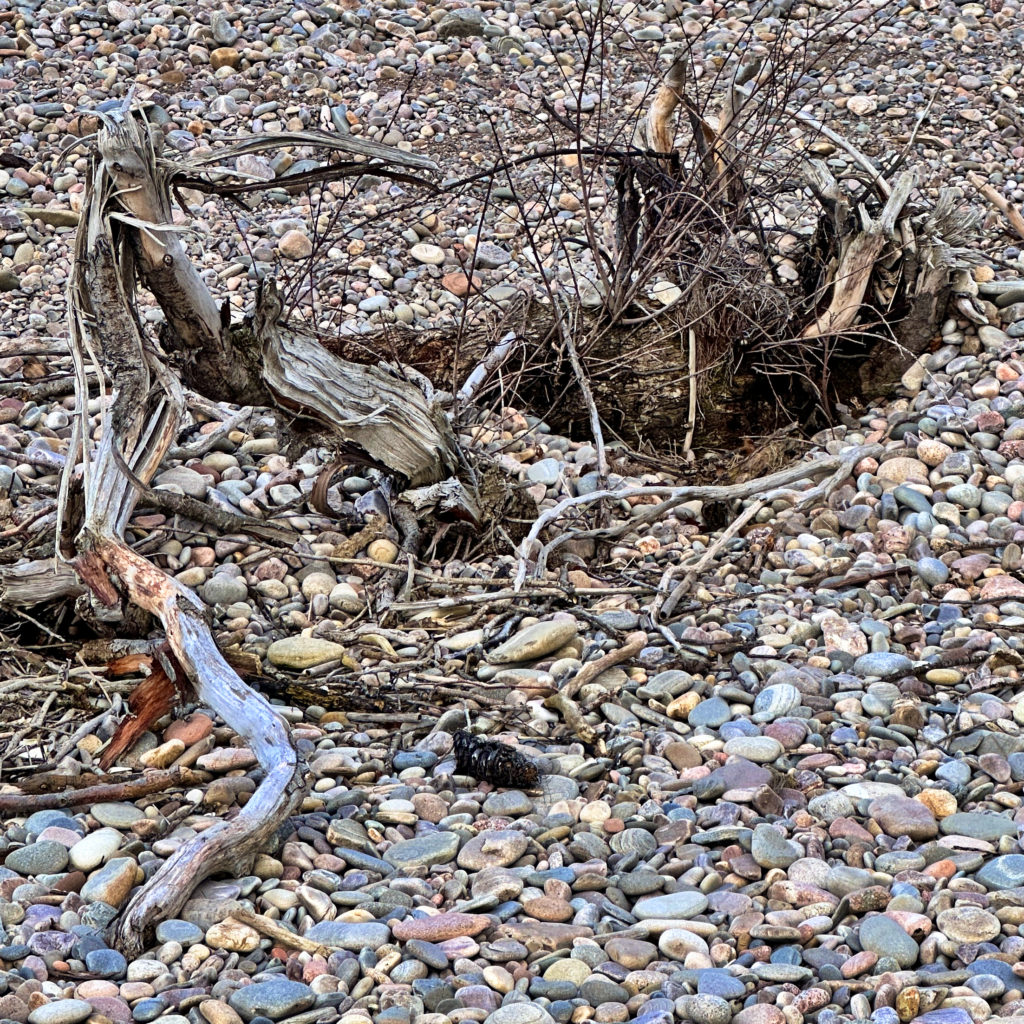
{"type": "Point", "coordinates": [440, 927]}
{"type": "Point", "coordinates": [189, 730]}
{"type": "Point", "coordinates": [459, 284]}
{"type": "Point", "coordinates": [941, 869]}
{"type": "Point", "coordinates": [847, 828]}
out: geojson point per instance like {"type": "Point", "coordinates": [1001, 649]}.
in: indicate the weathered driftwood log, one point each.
{"type": "Point", "coordinates": [266, 362]}
{"type": "Point", "coordinates": [36, 582]}
{"type": "Point", "coordinates": [138, 425]}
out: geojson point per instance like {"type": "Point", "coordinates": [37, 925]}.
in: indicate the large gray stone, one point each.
{"type": "Point", "coordinates": [421, 852]}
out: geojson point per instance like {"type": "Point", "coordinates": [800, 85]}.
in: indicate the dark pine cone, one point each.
{"type": "Point", "coordinates": [494, 762]}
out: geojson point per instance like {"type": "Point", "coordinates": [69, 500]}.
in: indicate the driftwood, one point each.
{"type": "Point", "coordinates": [858, 252]}
{"type": "Point", "coordinates": [26, 803]}
{"type": "Point", "coordinates": [692, 374]}
{"type": "Point", "coordinates": [1013, 215]}
{"type": "Point", "coordinates": [265, 362]}
{"type": "Point", "coordinates": [36, 582]}
{"type": "Point", "coordinates": [138, 426]}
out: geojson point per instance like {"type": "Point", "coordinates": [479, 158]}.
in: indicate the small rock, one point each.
{"type": "Point", "coordinates": [299, 652]}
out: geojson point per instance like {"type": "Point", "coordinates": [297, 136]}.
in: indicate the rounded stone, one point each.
{"type": "Point", "coordinates": [777, 700]}
{"type": "Point", "coordinates": [882, 935]}
{"type": "Point", "coordinates": [299, 652]}
{"type": "Point", "coordinates": [520, 1013]}
{"type": "Point", "coordinates": [969, 924]}
{"type": "Point", "coordinates": [673, 906]}
{"type": "Point", "coordinates": [47, 857]}
{"type": "Point", "coordinates": [759, 749]}
{"type": "Point", "coordinates": [499, 848]}
{"type": "Point", "coordinates": [433, 848]}
{"type": "Point", "coordinates": [275, 998]}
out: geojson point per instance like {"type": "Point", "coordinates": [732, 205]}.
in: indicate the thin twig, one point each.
{"type": "Point", "coordinates": [773, 486]}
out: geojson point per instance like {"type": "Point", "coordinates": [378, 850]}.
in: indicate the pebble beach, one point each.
{"type": "Point", "coordinates": [796, 799]}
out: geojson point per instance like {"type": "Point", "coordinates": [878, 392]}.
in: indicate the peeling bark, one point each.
{"type": "Point", "coordinates": [138, 426]}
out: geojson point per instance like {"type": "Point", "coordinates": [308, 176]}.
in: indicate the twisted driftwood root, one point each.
{"type": "Point", "coordinates": [137, 429]}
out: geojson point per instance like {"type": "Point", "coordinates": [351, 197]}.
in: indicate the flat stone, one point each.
{"type": "Point", "coordinates": [871, 790]}
{"type": "Point", "coordinates": [901, 469]}
{"type": "Point", "coordinates": [439, 927]}
{"type": "Point", "coordinates": [546, 935]}
{"type": "Point", "coordinates": [882, 935]}
{"type": "Point", "coordinates": [882, 663]}
{"type": "Point", "coordinates": [499, 848]}
{"type": "Point", "coordinates": [969, 924]}
{"type": "Point", "coordinates": [520, 1013]}
{"type": "Point", "coordinates": [759, 749]}
{"type": "Point", "coordinates": [421, 852]}
{"type": "Point", "coordinates": [232, 936]}
{"type": "Point", "coordinates": [509, 803]}
{"type": "Point", "coordinates": [987, 826]}
{"type": "Point", "coordinates": [188, 481]}
{"type": "Point", "coordinates": [175, 930]}
{"type": "Point", "coordinates": [679, 943]}
{"type": "Point", "coordinates": [61, 1011]}
{"type": "Point", "coordinates": [544, 471]}
{"type": "Point", "coordinates": [351, 935]}
{"type": "Point", "coordinates": [534, 642]}
{"type": "Point", "coordinates": [274, 998]}
{"type": "Point", "coordinates": [111, 883]}
{"type": "Point", "coordinates": [777, 700]}
{"type": "Point", "coordinates": [299, 652]}
{"type": "Point", "coordinates": [772, 850]}
{"type": "Point", "coordinates": [575, 971]}
{"type": "Point", "coordinates": [710, 713]}
{"type": "Point", "coordinates": [119, 816]}
{"type": "Point", "coordinates": [673, 906]}
{"type": "Point", "coordinates": [108, 963]}
{"type": "Point", "coordinates": [1006, 872]}
{"type": "Point", "coordinates": [423, 252]}
{"type": "Point", "coordinates": [900, 815]}
{"type": "Point", "coordinates": [46, 857]}
{"type": "Point", "coordinates": [633, 954]}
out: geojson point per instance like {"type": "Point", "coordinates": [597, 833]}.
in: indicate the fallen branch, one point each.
{"type": "Point", "coordinates": [22, 804]}
{"type": "Point", "coordinates": [486, 367]}
{"type": "Point", "coordinates": [137, 429]}
{"type": "Point", "coordinates": [768, 487]}
{"type": "Point", "coordinates": [1012, 214]}
{"type": "Point", "coordinates": [36, 582]}
{"type": "Point", "coordinates": [663, 606]}
{"type": "Point", "coordinates": [634, 644]}
{"type": "Point", "coordinates": [277, 931]}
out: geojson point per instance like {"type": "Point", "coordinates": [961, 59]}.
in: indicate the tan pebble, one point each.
{"type": "Point", "coordinates": [549, 908]}
{"type": "Point", "coordinates": [233, 936]}
{"type": "Point", "coordinates": [224, 57]}
{"type": "Point", "coordinates": [90, 744]}
{"type": "Point", "coordinates": [218, 1012]}
{"type": "Point", "coordinates": [96, 989]}
{"type": "Point", "coordinates": [901, 469]}
{"type": "Point", "coordinates": [225, 759]}
{"type": "Point", "coordinates": [681, 707]}
{"type": "Point", "coordinates": [164, 755]}
{"type": "Point", "coordinates": [932, 452]}
{"type": "Point", "coordinates": [382, 550]}
{"type": "Point", "coordinates": [597, 811]}
{"type": "Point", "coordinates": [295, 245]}
{"type": "Point", "coordinates": [944, 676]}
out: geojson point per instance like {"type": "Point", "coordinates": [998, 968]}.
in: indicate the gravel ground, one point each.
{"type": "Point", "coordinates": [801, 800]}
